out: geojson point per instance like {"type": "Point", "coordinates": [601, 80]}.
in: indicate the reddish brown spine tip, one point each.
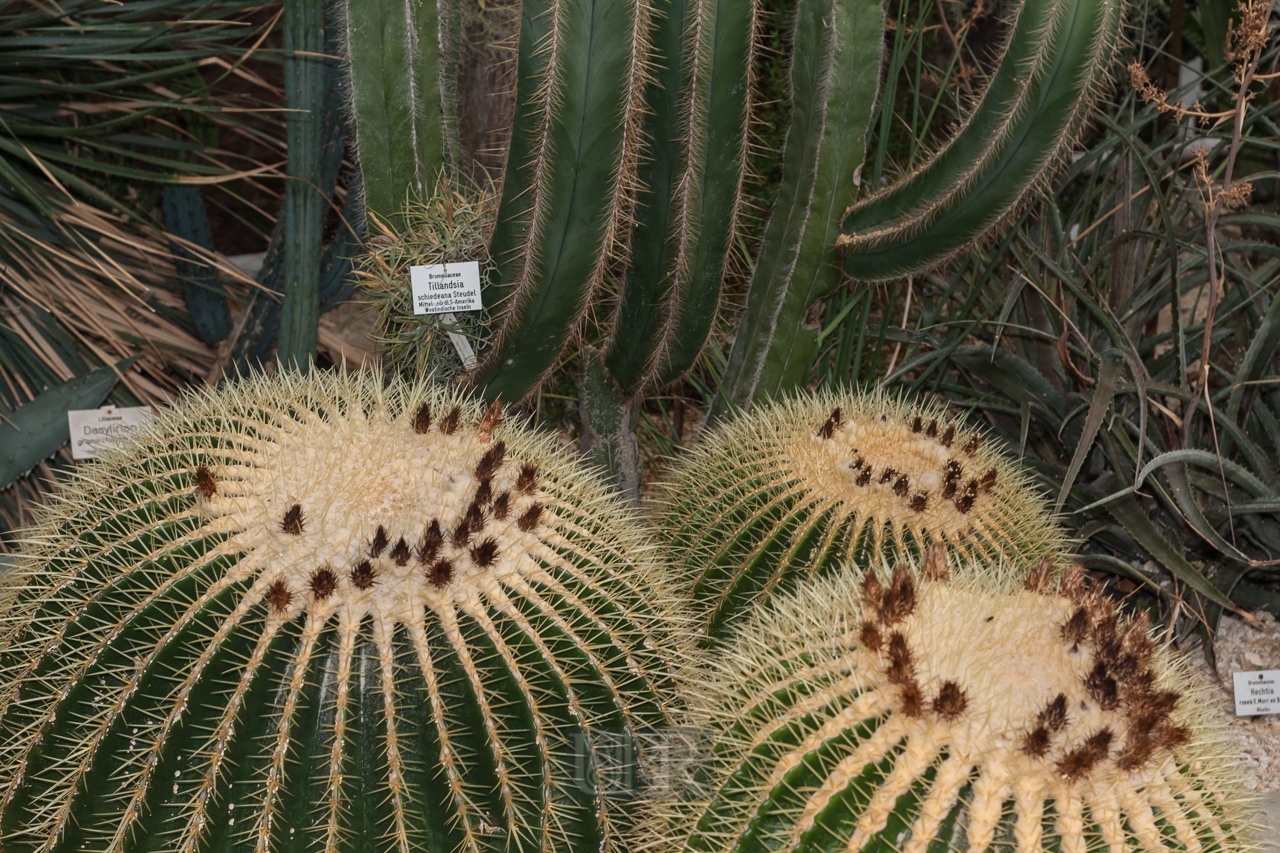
{"type": "Point", "coordinates": [911, 699]}
{"type": "Point", "coordinates": [937, 566]}
{"type": "Point", "coordinates": [401, 552]}
{"type": "Point", "coordinates": [965, 500]}
{"type": "Point", "coordinates": [902, 486]}
{"type": "Point", "coordinates": [988, 481]}
{"type": "Point", "coordinates": [528, 479]}
{"type": "Point", "coordinates": [902, 667]}
{"type": "Point", "coordinates": [950, 701]}
{"type": "Point", "coordinates": [206, 482]}
{"type": "Point", "coordinates": [932, 429]}
{"type": "Point", "coordinates": [379, 543]}
{"type": "Point", "coordinates": [440, 573]}
{"type": "Point", "coordinates": [948, 436]}
{"type": "Point", "coordinates": [916, 424]}
{"type": "Point", "coordinates": [857, 463]}
{"type": "Point", "coordinates": [475, 517]}
{"type": "Point", "coordinates": [1137, 752]}
{"type": "Point", "coordinates": [1054, 715]}
{"type": "Point", "coordinates": [1171, 737]}
{"type": "Point", "coordinates": [429, 547]}
{"type": "Point", "coordinates": [492, 417]}
{"type": "Point", "coordinates": [501, 506]}
{"type": "Point", "coordinates": [864, 477]}
{"type": "Point", "coordinates": [1078, 762]}
{"type": "Point", "coordinates": [422, 419]}
{"type": "Point", "coordinates": [972, 445]}
{"type": "Point", "coordinates": [872, 591]}
{"type": "Point", "coordinates": [827, 429]}
{"type": "Point", "coordinates": [889, 474]}
{"type": "Point", "coordinates": [449, 425]}
{"type": "Point", "coordinates": [363, 575]}
{"type": "Point", "coordinates": [278, 597]}
{"type": "Point", "coordinates": [323, 583]}
{"type": "Point", "coordinates": [899, 600]}
{"type": "Point", "coordinates": [869, 636]}
{"type": "Point", "coordinates": [1038, 580]}
{"type": "Point", "coordinates": [529, 519]}
{"type": "Point", "coordinates": [462, 534]}
{"type": "Point", "coordinates": [491, 461]}
{"type": "Point", "coordinates": [1073, 584]}
{"type": "Point", "coordinates": [1036, 742]}
{"type": "Point", "coordinates": [486, 553]}
{"type": "Point", "coordinates": [1102, 687]}
{"type": "Point", "coordinates": [919, 502]}
{"type": "Point", "coordinates": [293, 521]}
{"type": "Point", "coordinates": [1076, 628]}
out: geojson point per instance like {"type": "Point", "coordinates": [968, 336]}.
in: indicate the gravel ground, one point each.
{"type": "Point", "coordinates": [1244, 646]}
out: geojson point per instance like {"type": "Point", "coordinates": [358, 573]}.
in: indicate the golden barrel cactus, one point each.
{"type": "Point", "coordinates": [314, 613]}
{"type": "Point", "coordinates": [799, 486]}
{"type": "Point", "coordinates": [930, 713]}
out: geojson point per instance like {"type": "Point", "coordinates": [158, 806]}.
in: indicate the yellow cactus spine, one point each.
{"type": "Point", "coordinates": [314, 613]}
{"type": "Point", "coordinates": [797, 487]}
{"type": "Point", "coordinates": [927, 713]}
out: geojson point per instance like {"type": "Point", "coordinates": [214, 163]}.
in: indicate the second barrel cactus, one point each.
{"type": "Point", "coordinates": [311, 613]}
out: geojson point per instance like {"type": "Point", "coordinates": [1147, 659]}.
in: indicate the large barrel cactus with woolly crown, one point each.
{"type": "Point", "coordinates": [986, 711]}
{"type": "Point", "coordinates": [311, 613]}
{"type": "Point", "coordinates": [803, 485]}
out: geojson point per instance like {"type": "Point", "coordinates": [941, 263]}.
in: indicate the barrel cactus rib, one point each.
{"type": "Point", "coordinates": [309, 611]}
{"type": "Point", "coordinates": [948, 709]}
{"type": "Point", "coordinates": [801, 486]}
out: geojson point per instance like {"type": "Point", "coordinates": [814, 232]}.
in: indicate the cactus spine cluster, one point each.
{"type": "Point", "coordinates": [312, 613]}
{"type": "Point", "coordinates": [798, 487]}
{"type": "Point", "coordinates": [979, 712]}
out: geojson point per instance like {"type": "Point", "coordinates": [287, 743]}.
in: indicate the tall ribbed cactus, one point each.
{"type": "Point", "coordinates": [622, 189]}
{"type": "Point", "coordinates": [986, 712]}
{"type": "Point", "coordinates": [799, 487]}
{"type": "Point", "coordinates": [310, 613]}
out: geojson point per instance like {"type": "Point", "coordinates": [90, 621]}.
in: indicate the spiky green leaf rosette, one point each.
{"type": "Point", "coordinates": [802, 485]}
{"type": "Point", "coordinates": [983, 713]}
{"type": "Point", "coordinates": [311, 613]}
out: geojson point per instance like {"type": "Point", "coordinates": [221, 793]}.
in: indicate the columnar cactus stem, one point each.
{"type": "Point", "coordinates": [312, 613]}
{"type": "Point", "coordinates": [925, 713]}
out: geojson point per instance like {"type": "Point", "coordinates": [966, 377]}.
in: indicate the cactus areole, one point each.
{"type": "Point", "coordinates": [927, 714]}
{"type": "Point", "coordinates": [313, 613]}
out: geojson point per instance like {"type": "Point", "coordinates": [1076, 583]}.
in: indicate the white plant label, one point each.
{"type": "Point", "coordinates": [1257, 692]}
{"type": "Point", "coordinates": [446, 288]}
{"type": "Point", "coordinates": [95, 430]}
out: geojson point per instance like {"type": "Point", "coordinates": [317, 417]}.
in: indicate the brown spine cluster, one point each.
{"type": "Point", "coordinates": [1121, 679]}
{"type": "Point", "coordinates": [884, 608]}
{"type": "Point", "coordinates": [955, 487]}
{"type": "Point", "coordinates": [206, 482]}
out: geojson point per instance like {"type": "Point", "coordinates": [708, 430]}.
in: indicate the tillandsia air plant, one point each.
{"type": "Point", "coordinates": [985, 707]}
{"type": "Point", "coordinates": [804, 486]}
{"type": "Point", "coordinates": [317, 613]}
{"type": "Point", "coordinates": [622, 193]}
{"type": "Point", "coordinates": [1126, 339]}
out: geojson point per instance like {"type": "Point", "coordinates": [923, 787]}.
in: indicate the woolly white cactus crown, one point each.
{"type": "Point", "coordinates": [978, 712]}
{"type": "Point", "coordinates": [311, 612]}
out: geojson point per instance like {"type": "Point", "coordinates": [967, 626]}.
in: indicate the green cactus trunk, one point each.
{"type": "Point", "coordinates": [985, 712]}
{"type": "Point", "coordinates": [312, 614]}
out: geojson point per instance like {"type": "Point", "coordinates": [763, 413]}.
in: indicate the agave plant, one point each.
{"type": "Point", "coordinates": [622, 192]}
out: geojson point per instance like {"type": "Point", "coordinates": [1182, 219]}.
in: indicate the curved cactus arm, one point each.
{"type": "Point", "coordinates": [401, 105]}
{"type": "Point", "coordinates": [697, 130]}
{"type": "Point", "coordinates": [1054, 68]}
{"type": "Point", "coordinates": [834, 83]}
{"type": "Point", "coordinates": [569, 188]}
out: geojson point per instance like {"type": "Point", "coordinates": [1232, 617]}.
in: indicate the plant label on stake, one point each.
{"type": "Point", "coordinates": [96, 430]}
{"type": "Point", "coordinates": [445, 289]}
{"type": "Point", "coordinates": [1257, 692]}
